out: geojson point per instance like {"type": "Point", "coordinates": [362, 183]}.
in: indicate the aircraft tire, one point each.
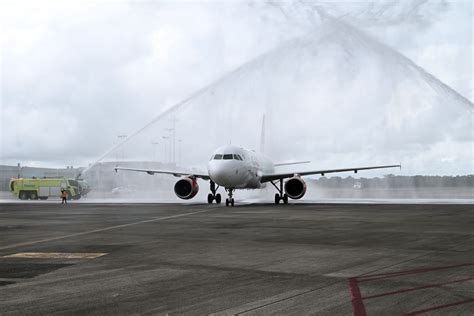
{"type": "Point", "coordinates": [209, 198]}
{"type": "Point", "coordinates": [218, 198]}
{"type": "Point", "coordinates": [232, 202]}
{"type": "Point", "coordinates": [226, 202]}
{"type": "Point", "coordinates": [277, 198]}
{"type": "Point", "coordinates": [285, 199]}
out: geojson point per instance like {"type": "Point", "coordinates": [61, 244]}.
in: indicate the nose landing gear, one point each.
{"type": "Point", "coordinates": [213, 196]}
{"type": "Point", "coordinates": [230, 199]}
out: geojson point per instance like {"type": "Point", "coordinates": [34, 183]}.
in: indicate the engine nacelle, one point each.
{"type": "Point", "coordinates": [186, 188]}
{"type": "Point", "coordinates": [295, 188]}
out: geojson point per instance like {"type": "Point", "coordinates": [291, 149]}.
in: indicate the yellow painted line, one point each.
{"type": "Point", "coordinates": [56, 255]}
{"type": "Point", "coordinates": [156, 219]}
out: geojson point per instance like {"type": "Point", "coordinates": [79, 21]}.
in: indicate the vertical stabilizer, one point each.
{"type": "Point", "coordinates": [262, 135]}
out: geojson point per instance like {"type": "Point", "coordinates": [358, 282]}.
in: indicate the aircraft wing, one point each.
{"type": "Point", "coordinates": [174, 173]}
{"type": "Point", "coordinates": [290, 163]}
{"type": "Point", "coordinates": [278, 176]}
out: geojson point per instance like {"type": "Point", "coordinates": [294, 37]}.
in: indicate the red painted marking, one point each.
{"type": "Point", "coordinates": [357, 300]}
{"type": "Point", "coordinates": [381, 276]}
{"type": "Point", "coordinates": [357, 305]}
{"type": "Point", "coordinates": [416, 288]}
{"type": "Point", "coordinates": [426, 310]}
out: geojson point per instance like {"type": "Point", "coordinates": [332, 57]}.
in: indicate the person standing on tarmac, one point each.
{"type": "Point", "coordinates": [63, 196]}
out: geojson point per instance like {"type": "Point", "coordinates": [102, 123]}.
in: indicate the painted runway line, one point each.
{"type": "Point", "coordinates": [358, 306]}
{"type": "Point", "coordinates": [435, 308]}
{"type": "Point", "coordinates": [155, 219]}
{"type": "Point", "coordinates": [56, 255]}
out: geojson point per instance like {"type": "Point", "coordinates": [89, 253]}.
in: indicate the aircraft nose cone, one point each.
{"type": "Point", "coordinates": [219, 176]}
{"type": "Point", "coordinates": [223, 176]}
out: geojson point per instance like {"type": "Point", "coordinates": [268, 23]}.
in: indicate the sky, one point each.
{"type": "Point", "coordinates": [341, 83]}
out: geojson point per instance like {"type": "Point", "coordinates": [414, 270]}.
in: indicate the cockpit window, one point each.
{"type": "Point", "coordinates": [227, 157]}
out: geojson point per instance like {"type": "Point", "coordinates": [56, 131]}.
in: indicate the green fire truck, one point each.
{"type": "Point", "coordinates": [44, 188]}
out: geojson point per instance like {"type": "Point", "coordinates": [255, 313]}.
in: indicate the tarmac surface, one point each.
{"type": "Point", "coordinates": [300, 259]}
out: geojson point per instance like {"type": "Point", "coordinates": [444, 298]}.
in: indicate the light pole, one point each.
{"type": "Point", "coordinates": [174, 119]}
{"type": "Point", "coordinates": [172, 135]}
{"type": "Point", "coordinates": [155, 152]}
{"type": "Point", "coordinates": [122, 174]}
{"type": "Point", "coordinates": [167, 137]}
{"type": "Point", "coordinates": [179, 151]}
{"type": "Point", "coordinates": [171, 139]}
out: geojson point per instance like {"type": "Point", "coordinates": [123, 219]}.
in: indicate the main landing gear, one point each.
{"type": "Point", "coordinates": [280, 196]}
{"type": "Point", "coordinates": [213, 196]}
{"type": "Point", "coordinates": [230, 199]}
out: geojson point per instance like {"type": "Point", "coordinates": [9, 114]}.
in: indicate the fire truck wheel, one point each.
{"type": "Point", "coordinates": [23, 195]}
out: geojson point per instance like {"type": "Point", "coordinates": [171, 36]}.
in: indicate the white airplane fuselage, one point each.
{"type": "Point", "coordinates": [238, 168]}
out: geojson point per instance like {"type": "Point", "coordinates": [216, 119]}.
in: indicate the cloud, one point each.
{"type": "Point", "coordinates": [76, 76]}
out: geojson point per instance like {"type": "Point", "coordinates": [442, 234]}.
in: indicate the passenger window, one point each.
{"type": "Point", "coordinates": [227, 156]}
{"type": "Point", "coordinates": [218, 157]}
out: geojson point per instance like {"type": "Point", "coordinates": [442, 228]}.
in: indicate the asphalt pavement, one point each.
{"type": "Point", "coordinates": [253, 259]}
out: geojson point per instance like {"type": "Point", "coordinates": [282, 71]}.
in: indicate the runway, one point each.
{"type": "Point", "coordinates": [252, 259]}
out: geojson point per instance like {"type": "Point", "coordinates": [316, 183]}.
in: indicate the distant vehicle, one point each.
{"type": "Point", "coordinates": [44, 188]}
{"type": "Point", "coordinates": [357, 186]}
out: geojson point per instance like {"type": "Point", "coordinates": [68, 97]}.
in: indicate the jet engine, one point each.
{"type": "Point", "coordinates": [295, 188]}
{"type": "Point", "coordinates": [186, 188]}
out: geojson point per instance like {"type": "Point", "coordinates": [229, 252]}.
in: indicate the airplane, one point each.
{"type": "Point", "coordinates": [235, 168]}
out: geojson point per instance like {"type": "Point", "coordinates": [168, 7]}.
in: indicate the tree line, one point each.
{"type": "Point", "coordinates": [393, 181]}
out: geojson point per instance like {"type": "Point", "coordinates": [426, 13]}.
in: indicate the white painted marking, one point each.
{"type": "Point", "coordinates": [156, 219]}
{"type": "Point", "coordinates": [57, 255]}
